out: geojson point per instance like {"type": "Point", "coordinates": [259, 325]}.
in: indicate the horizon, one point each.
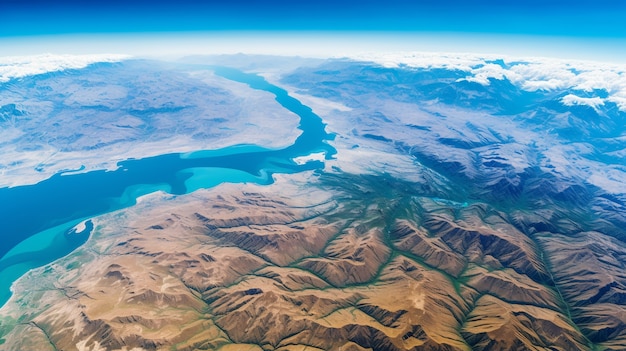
{"type": "Point", "coordinates": [563, 29]}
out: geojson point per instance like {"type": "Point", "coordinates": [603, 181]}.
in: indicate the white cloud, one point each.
{"type": "Point", "coordinates": [619, 100]}
{"type": "Point", "coordinates": [530, 74]}
{"type": "Point", "coordinates": [571, 99]}
{"type": "Point", "coordinates": [22, 66]}
{"type": "Point", "coordinates": [461, 62]}
{"type": "Point", "coordinates": [482, 74]}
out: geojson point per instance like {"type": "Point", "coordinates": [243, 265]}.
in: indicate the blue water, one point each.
{"type": "Point", "coordinates": [47, 211]}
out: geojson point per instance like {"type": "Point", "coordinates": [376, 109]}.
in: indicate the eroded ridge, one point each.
{"type": "Point", "coordinates": [314, 265]}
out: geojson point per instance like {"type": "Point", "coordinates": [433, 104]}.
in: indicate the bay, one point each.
{"type": "Point", "coordinates": [50, 209]}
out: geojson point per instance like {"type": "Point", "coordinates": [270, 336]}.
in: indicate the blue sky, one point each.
{"type": "Point", "coordinates": [598, 18]}
{"type": "Point", "coordinates": [598, 23]}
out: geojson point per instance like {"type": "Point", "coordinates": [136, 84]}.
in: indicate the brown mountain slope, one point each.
{"type": "Point", "coordinates": [590, 272]}
{"type": "Point", "coordinates": [344, 268]}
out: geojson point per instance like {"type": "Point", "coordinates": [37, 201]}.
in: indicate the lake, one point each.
{"type": "Point", "coordinates": [50, 219]}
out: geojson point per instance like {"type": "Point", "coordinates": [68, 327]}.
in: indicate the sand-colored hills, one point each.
{"type": "Point", "coordinates": [590, 271]}
{"type": "Point", "coordinates": [317, 266]}
{"type": "Point", "coordinates": [498, 325]}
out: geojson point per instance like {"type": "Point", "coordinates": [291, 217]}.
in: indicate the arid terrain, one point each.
{"type": "Point", "coordinates": [324, 263]}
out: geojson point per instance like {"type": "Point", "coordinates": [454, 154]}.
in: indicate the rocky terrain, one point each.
{"type": "Point", "coordinates": [455, 216]}
{"type": "Point", "coordinates": [329, 263]}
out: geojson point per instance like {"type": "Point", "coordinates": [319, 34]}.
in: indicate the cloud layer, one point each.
{"type": "Point", "coordinates": [22, 66]}
{"type": "Point", "coordinates": [583, 78]}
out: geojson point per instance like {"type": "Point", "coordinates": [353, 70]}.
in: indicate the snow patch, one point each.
{"type": "Point", "coordinates": [610, 179]}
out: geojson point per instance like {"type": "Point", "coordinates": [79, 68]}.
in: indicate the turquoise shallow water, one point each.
{"type": "Point", "coordinates": [47, 211]}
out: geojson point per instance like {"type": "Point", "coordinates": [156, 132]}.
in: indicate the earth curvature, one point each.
{"type": "Point", "coordinates": [413, 201]}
